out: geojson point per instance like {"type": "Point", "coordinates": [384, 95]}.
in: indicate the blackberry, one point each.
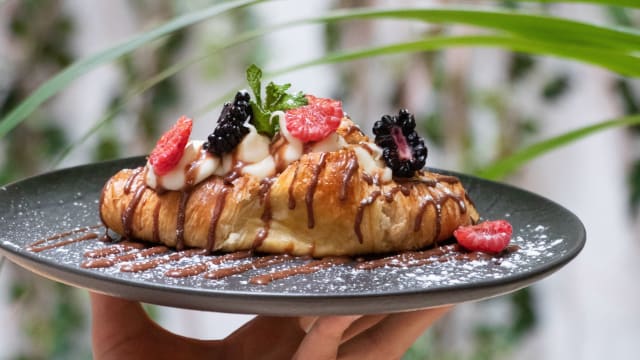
{"type": "Point", "coordinates": [230, 129]}
{"type": "Point", "coordinates": [403, 149]}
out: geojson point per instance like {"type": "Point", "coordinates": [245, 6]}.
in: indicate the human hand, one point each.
{"type": "Point", "coordinates": [122, 330]}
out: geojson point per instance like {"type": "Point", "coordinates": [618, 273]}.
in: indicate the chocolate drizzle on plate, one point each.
{"type": "Point", "coordinates": [258, 269]}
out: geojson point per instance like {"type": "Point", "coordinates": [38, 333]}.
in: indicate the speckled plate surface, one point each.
{"type": "Point", "coordinates": [549, 236]}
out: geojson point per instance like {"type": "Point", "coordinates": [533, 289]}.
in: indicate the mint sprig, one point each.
{"type": "Point", "coordinates": [276, 99]}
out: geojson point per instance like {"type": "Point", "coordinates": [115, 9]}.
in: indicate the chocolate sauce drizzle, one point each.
{"type": "Point", "coordinates": [352, 168]}
{"type": "Point", "coordinates": [221, 196]}
{"type": "Point", "coordinates": [311, 190]}
{"type": "Point", "coordinates": [40, 248]}
{"type": "Point", "coordinates": [265, 201]}
{"type": "Point", "coordinates": [156, 222]}
{"type": "Point", "coordinates": [136, 257]}
{"type": "Point", "coordinates": [129, 183]}
{"type": "Point", "coordinates": [182, 214]}
{"type": "Point", "coordinates": [292, 200]}
{"type": "Point", "coordinates": [127, 215]}
{"type": "Point", "coordinates": [360, 213]}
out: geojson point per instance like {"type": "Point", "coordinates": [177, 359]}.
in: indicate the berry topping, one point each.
{"type": "Point", "coordinates": [315, 121]}
{"type": "Point", "coordinates": [403, 149]}
{"type": "Point", "coordinates": [489, 236]}
{"type": "Point", "coordinates": [169, 149]}
{"type": "Point", "coordinates": [230, 129]}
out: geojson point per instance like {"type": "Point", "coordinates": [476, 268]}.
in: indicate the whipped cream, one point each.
{"type": "Point", "coordinates": [262, 169]}
{"type": "Point", "coordinates": [225, 166]}
{"type": "Point", "coordinates": [254, 151]}
{"type": "Point", "coordinates": [254, 147]}
{"type": "Point", "coordinates": [195, 165]}
{"type": "Point", "coordinates": [333, 142]}
{"type": "Point", "coordinates": [370, 159]}
{"type": "Point", "coordinates": [292, 149]}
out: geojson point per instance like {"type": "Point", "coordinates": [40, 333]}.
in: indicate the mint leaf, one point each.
{"type": "Point", "coordinates": [275, 94]}
{"type": "Point", "coordinates": [276, 99]}
{"type": "Point", "coordinates": [254, 75]}
{"type": "Point", "coordinates": [262, 120]}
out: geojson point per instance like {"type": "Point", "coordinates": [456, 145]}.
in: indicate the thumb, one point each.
{"type": "Point", "coordinates": [116, 322]}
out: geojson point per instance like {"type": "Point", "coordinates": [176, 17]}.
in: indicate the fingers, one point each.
{"type": "Point", "coordinates": [116, 324]}
{"type": "Point", "coordinates": [122, 329]}
{"type": "Point", "coordinates": [110, 314]}
{"type": "Point", "coordinates": [265, 337]}
{"type": "Point", "coordinates": [324, 337]}
{"type": "Point", "coordinates": [358, 326]}
{"type": "Point", "coordinates": [361, 325]}
{"type": "Point", "coordinates": [392, 336]}
{"type": "Point", "coordinates": [306, 322]}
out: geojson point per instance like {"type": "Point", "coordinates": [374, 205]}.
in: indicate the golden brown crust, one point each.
{"type": "Point", "coordinates": [305, 210]}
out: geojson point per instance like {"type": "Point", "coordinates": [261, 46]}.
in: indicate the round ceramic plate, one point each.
{"type": "Point", "coordinates": [37, 208]}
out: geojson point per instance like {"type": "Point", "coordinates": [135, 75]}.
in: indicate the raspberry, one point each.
{"type": "Point", "coordinates": [169, 149]}
{"type": "Point", "coordinates": [315, 121]}
{"type": "Point", "coordinates": [489, 236]}
{"type": "Point", "coordinates": [403, 149]}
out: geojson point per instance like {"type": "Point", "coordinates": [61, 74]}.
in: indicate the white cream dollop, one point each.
{"type": "Point", "coordinates": [262, 169]}
{"type": "Point", "coordinates": [254, 147]}
{"type": "Point", "coordinates": [225, 166]}
{"type": "Point", "coordinates": [254, 151]}
{"type": "Point", "coordinates": [370, 159]}
{"type": "Point", "coordinates": [333, 142]}
{"type": "Point", "coordinates": [294, 147]}
{"type": "Point", "coordinates": [195, 165]}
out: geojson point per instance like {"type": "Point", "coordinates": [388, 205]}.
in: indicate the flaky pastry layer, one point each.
{"type": "Point", "coordinates": [324, 204]}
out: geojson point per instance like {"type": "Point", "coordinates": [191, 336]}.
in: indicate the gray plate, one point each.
{"type": "Point", "coordinates": [36, 208]}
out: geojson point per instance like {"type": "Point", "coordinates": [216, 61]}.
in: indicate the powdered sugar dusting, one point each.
{"type": "Point", "coordinates": [535, 248]}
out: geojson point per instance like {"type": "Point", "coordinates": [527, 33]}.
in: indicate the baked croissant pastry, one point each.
{"type": "Point", "coordinates": [317, 186]}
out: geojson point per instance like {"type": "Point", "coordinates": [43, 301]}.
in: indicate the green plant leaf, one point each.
{"type": "Point", "coordinates": [63, 78]}
{"type": "Point", "coordinates": [618, 62]}
{"type": "Point", "coordinates": [625, 3]}
{"type": "Point", "coordinates": [505, 166]}
{"type": "Point", "coordinates": [546, 29]}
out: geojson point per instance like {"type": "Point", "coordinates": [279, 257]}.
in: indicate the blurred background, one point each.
{"type": "Point", "coordinates": [485, 96]}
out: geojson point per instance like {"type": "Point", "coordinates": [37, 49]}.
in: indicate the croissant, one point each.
{"type": "Point", "coordinates": [318, 206]}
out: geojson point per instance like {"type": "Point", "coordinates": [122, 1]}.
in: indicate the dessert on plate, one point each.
{"type": "Point", "coordinates": [288, 173]}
